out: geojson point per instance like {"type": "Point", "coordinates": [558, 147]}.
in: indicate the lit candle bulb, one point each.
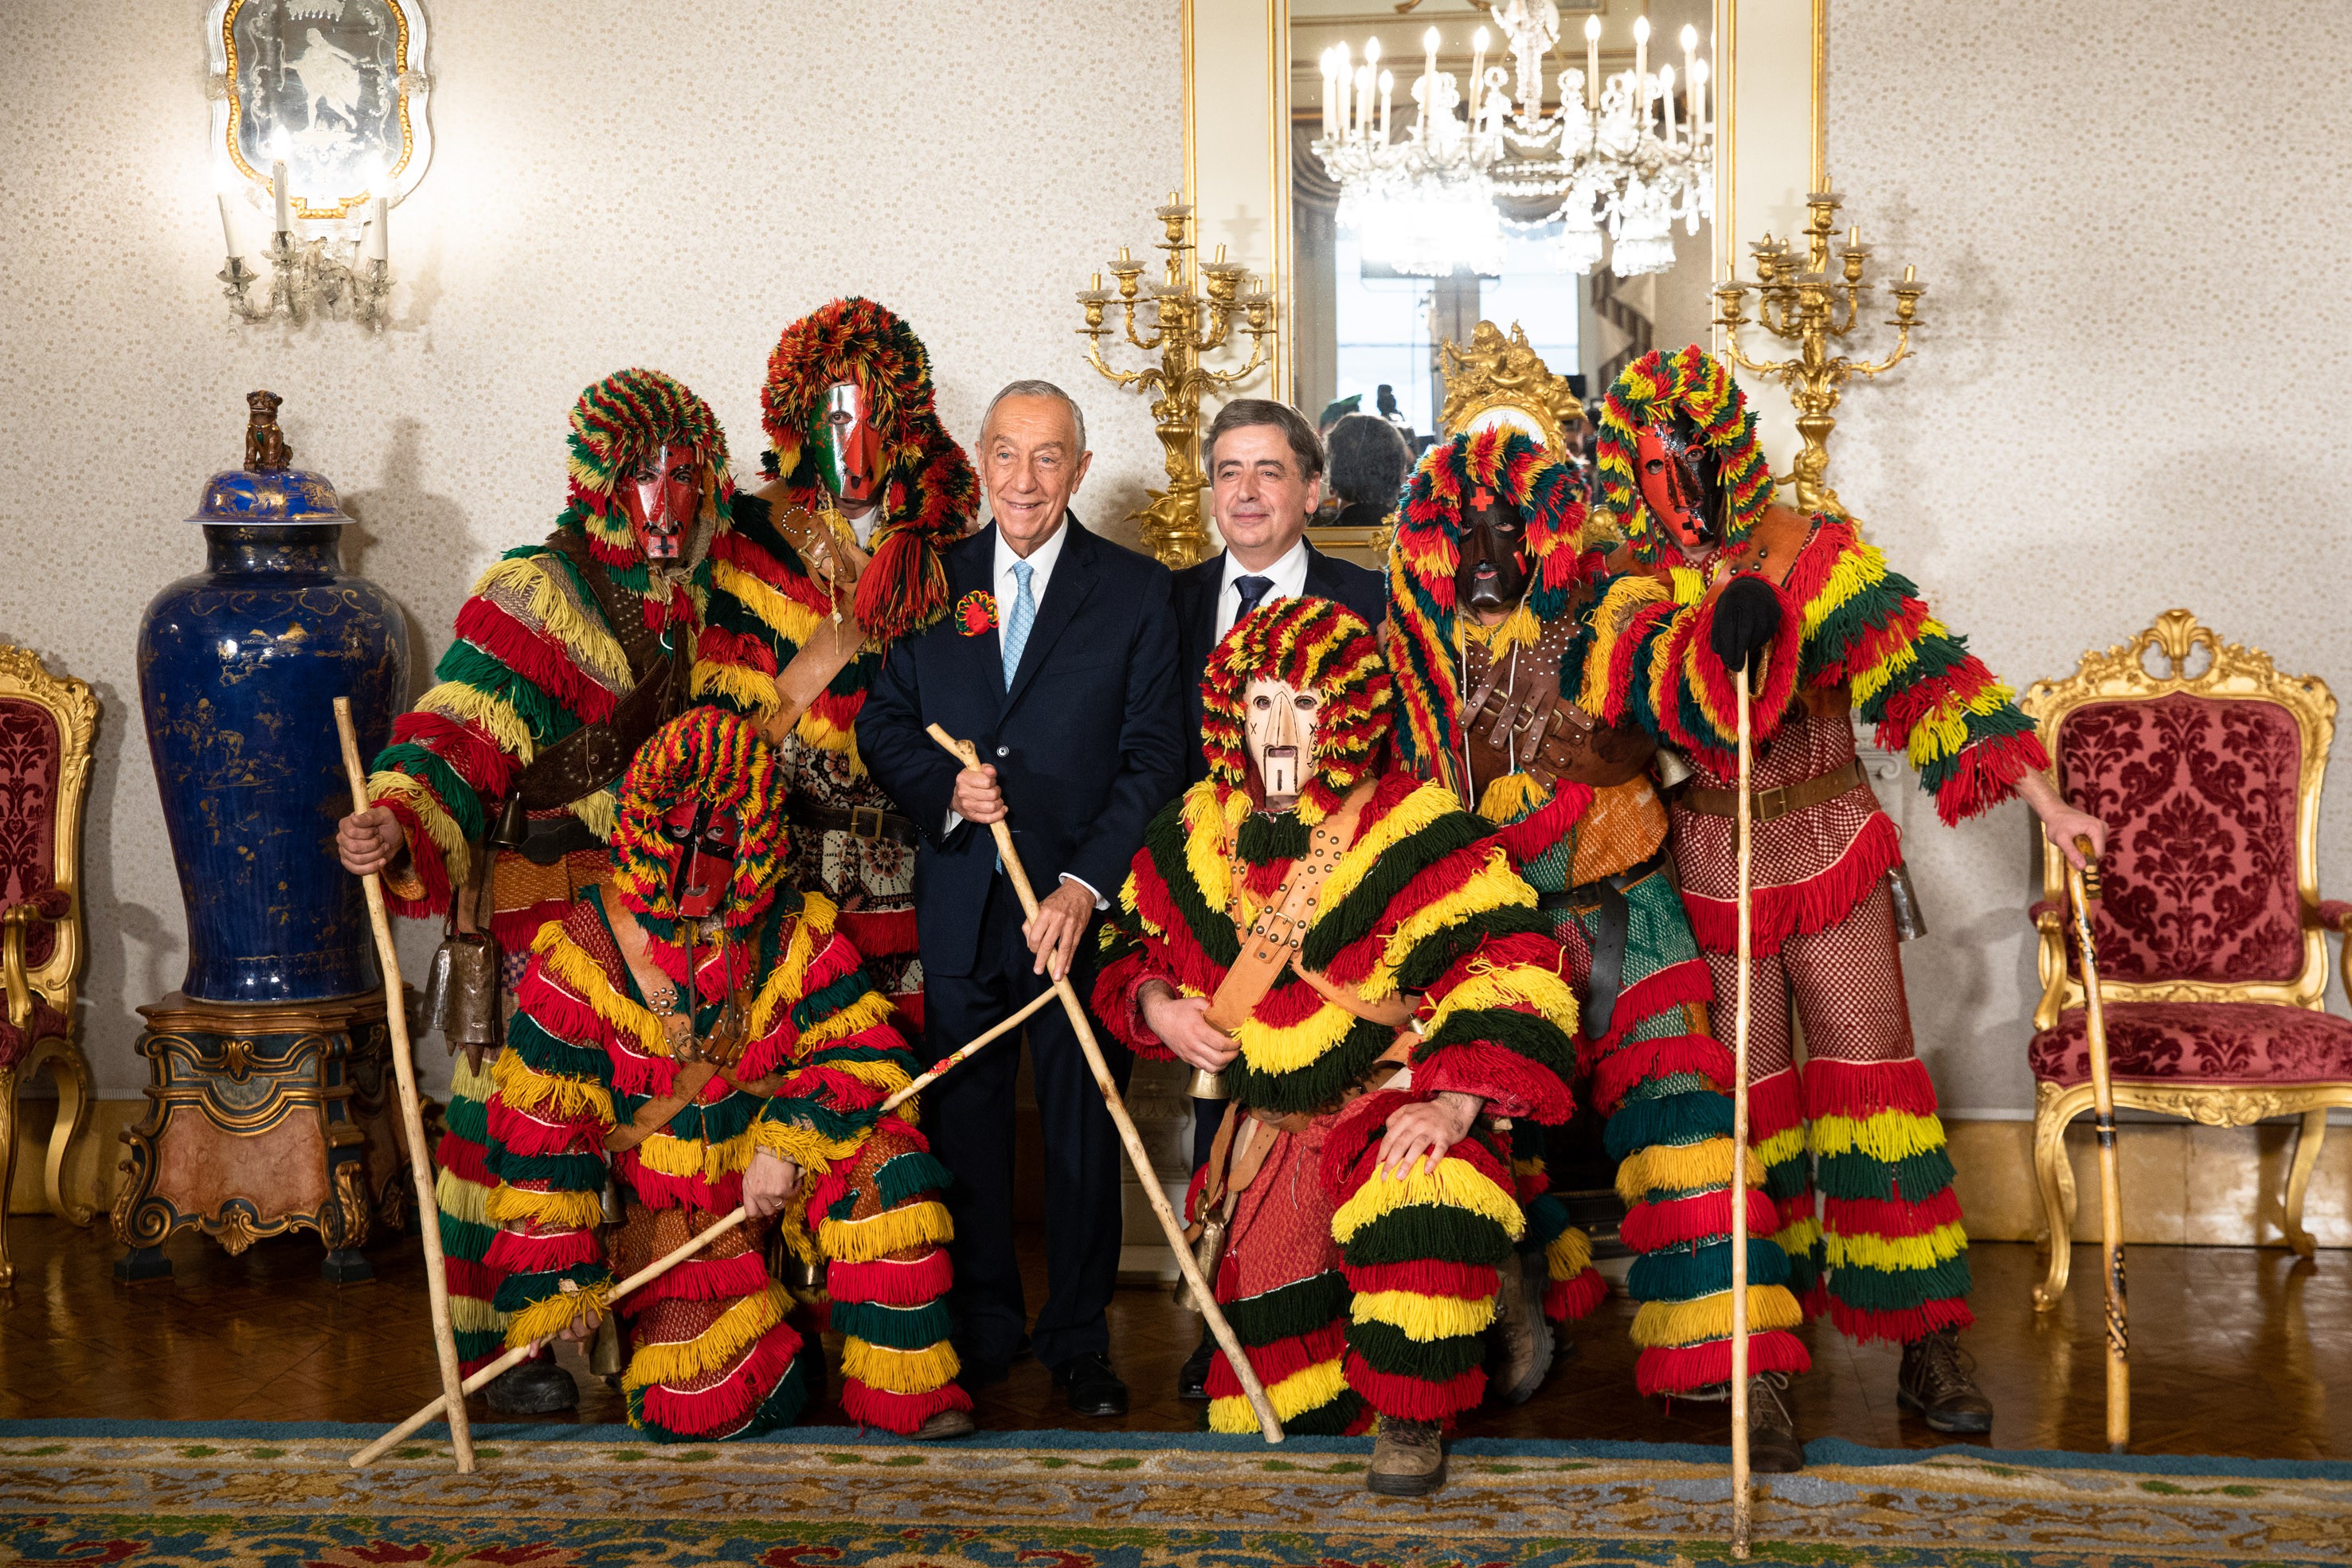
{"type": "Point", "coordinates": [1591, 63]}
{"type": "Point", "coordinates": [1388, 85]}
{"type": "Point", "coordinates": [1428, 78]}
{"type": "Point", "coordinates": [1697, 102]}
{"type": "Point", "coordinates": [229, 227]}
{"type": "Point", "coordinates": [1641, 71]}
{"type": "Point", "coordinates": [379, 216]}
{"type": "Point", "coordinates": [1372, 77]}
{"type": "Point", "coordinates": [1477, 73]}
{"type": "Point", "coordinates": [278, 189]}
{"type": "Point", "coordinates": [1363, 101]}
{"type": "Point", "coordinates": [1344, 70]}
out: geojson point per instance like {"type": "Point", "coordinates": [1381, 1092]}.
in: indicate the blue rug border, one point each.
{"type": "Point", "coordinates": [1820, 1450]}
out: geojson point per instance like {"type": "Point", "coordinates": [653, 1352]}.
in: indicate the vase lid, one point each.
{"type": "Point", "coordinates": [266, 493]}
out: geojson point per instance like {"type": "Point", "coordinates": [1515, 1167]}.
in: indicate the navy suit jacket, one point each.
{"type": "Point", "coordinates": [1087, 744]}
{"type": "Point", "coordinates": [1358, 587]}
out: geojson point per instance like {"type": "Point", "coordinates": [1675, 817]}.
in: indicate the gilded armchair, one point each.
{"type": "Point", "coordinates": [47, 728]}
{"type": "Point", "coordinates": [2210, 929]}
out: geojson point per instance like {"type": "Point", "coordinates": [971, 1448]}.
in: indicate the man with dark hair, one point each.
{"type": "Point", "coordinates": [1265, 480]}
{"type": "Point", "coordinates": [1369, 458]}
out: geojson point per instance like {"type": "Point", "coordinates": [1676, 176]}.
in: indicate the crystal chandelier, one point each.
{"type": "Point", "coordinates": [1628, 156]}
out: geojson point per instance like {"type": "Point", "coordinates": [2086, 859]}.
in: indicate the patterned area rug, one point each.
{"type": "Point", "coordinates": [234, 1492]}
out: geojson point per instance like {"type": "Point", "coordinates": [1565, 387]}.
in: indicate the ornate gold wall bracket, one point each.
{"type": "Point", "coordinates": [1800, 305]}
{"type": "Point", "coordinates": [1189, 312]}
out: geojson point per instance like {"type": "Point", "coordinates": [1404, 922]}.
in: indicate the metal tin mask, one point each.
{"type": "Point", "coordinates": [1493, 572]}
{"type": "Point", "coordinates": [1278, 722]}
{"type": "Point", "coordinates": [848, 446]}
{"type": "Point", "coordinates": [706, 836]}
{"type": "Point", "coordinates": [662, 494]}
{"type": "Point", "coordinates": [1681, 480]}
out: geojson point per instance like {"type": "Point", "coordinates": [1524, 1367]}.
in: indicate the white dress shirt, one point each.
{"type": "Point", "coordinates": [1289, 575]}
{"type": "Point", "coordinates": [1041, 562]}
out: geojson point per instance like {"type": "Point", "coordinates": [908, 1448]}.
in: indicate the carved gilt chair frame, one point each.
{"type": "Point", "coordinates": [74, 709]}
{"type": "Point", "coordinates": [2232, 674]}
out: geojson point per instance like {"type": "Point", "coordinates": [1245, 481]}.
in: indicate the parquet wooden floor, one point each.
{"type": "Point", "coordinates": [2235, 1350]}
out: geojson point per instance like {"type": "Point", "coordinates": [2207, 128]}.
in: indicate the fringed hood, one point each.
{"type": "Point", "coordinates": [721, 756]}
{"type": "Point", "coordinates": [1654, 388]}
{"type": "Point", "coordinates": [1311, 643]}
{"type": "Point", "coordinates": [613, 425]}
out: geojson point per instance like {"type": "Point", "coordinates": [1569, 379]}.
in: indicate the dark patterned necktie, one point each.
{"type": "Point", "coordinates": [1254, 591]}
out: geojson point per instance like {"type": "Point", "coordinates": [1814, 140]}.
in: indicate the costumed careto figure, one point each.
{"type": "Point", "coordinates": [1355, 954]}
{"type": "Point", "coordinates": [495, 798]}
{"type": "Point", "coordinates": [1715, 578]}
{"type": "Point", "coordinates": [760, 1081]}
{"type": "Point", "coordinates": [1486, 584]}
{"type": "Point", "coordinates": [832, 558]}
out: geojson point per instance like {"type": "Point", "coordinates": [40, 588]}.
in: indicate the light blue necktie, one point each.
{"type": "Point", "coordinates": [1018, 625]}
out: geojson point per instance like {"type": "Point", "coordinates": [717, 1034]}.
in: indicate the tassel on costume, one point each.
{"type": "Point", "coordinates": [467, 1231]}
{"type": "Point", "coordinates": [1892, 1240]}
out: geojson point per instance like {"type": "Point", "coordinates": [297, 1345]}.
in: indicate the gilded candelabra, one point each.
{"type": "Point", "coordinates": [1189, 312]}
{"type": "Point", "coordinates": [320, 277]}
{"type": "Point", "coordinates": [1800, 307]}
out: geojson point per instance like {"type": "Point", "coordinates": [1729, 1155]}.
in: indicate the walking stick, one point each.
{"type": "Point", "coordinates": [2081, 886]}
{"type": "Point", "coordinates": [1740, 1511]}
{"type": "Point", "coordinates": [412, 1116]}
{"type": "Point", "coordinates": [671, 1260]}
{"type": "Point", "coordinates": [1269, 1424]}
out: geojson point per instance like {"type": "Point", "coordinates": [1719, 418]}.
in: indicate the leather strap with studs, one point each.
{"type": "Point", "coordinates": [1270, 943]}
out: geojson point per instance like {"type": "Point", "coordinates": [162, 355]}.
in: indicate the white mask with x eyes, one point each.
{"type": "Point", "coordinates": [1279, 731]}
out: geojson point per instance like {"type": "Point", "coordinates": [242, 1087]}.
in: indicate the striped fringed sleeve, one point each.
{"type": "Point", "coordinates": [1646, 653]}
{"type": "Point", "coordinates": [762, 608]}
{"type": "Point", "coordinates": [548, 1118]}
{"type": "Point", "coordinates": [1867, 629]}
{"type": "Point", "coordinates": [1134, 948]}
{"type": "Point", "coordinates": [532, 661]}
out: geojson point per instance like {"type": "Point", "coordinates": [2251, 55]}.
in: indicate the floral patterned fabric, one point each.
{"type": "Point", "coordinates": [29, 759]}
{"type": "Point", "coordinates": [2208, 1042]}
{"type": "Point", "coordinates": [2199, 796]}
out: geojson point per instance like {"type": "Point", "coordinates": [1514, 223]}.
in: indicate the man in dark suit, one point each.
{"type": "Point", "coordinates": [1058, 660]}
{"type": "Point", "coordinates": [1265, 476]}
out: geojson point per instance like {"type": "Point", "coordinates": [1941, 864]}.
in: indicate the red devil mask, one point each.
{"type": "Point", "coordinates": [1493, 573]}
{"type": "Point", "coordinates": [1680, 480]}
{"type": "Point", "coordinates": [706, 836]}
{"type": "Point", "coordinates": [662, 494]}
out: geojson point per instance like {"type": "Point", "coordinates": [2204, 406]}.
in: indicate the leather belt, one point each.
{"type": "Point", "coordinates": [857, 821]}
{"type": "Point", "coordinates": [547, 840]}
{"type": "Point", "coordinates": [1606, 898]}
{"type": "Point", "coordinates": [1767, 804]}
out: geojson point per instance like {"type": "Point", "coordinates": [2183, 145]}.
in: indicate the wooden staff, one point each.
{"type": "Point", "coordinates": [2081, 886]}
{"type": "Point", "coordinates": [1268, 1423]}
{"type": "Point", "coordinates": [1740, 1511]}
{"type": "Point", "coordinates": [412, 1116]}
{"type": "Point", "coordinates": [671, 1260]}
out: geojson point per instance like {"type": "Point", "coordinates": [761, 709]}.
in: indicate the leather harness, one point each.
{"type": "Point", "coordinates": [836, 563]}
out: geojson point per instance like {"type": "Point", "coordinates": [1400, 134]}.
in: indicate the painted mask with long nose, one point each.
{"type": "Point", "coordinates": [1279, 731]}
{"type": "Point", "coordinates": [847, 445]}
{"type": "Point", "coordinates": [1681, 480]}
{"type": "Point", "coordinates": [1493, 572]}
{"type": "Point", "coordinates": [707, 837]}
{"type": "Point", "coordinates": [662, 495]}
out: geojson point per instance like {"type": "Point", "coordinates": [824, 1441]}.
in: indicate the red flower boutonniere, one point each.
{"type": "Point", "coordinates": [976, 612]}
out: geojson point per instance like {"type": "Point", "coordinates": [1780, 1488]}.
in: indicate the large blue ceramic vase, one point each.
{"type": "Point", "coordinates": [239, 669]}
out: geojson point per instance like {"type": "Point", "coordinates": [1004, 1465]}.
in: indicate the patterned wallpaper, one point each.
{"type": "Point", "coordinates": [624, 182]}
{"type": "Point", "coordinates": [2131, 217]}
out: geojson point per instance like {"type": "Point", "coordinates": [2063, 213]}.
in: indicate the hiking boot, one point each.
{"type": "Point", "coordinates": [943, 1425]}
{"type": "Point", "coordinates": [1773, 1448]}
{"type": "Point", "coordinates": [1520, 1341]}
{"type": "Point", "coordinates": [1407, 1459]}
{"type": "Point", "coordinates": [1939, 1380]}
{"type": "Point", "coordinates": [535, 1388]}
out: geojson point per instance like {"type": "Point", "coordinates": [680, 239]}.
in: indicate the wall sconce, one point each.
{"type": "Point", "coordinates": [319, 117]}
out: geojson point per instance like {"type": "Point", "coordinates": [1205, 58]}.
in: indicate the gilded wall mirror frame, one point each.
{"type": "Point", "coordinates": [336, 89]}
{"type": "Point", "coordinates": [1238, 172]}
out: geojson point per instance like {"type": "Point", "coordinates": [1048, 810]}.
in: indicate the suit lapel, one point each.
{"type": "Point", "coordinates": [1073, 580]}
{"type": "Point", "coordinates": [1200, 607]}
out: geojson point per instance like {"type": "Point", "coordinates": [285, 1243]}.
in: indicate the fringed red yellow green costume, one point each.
{"type": "Point", "coordinates": [1354, 1292]}
{"type": "Point", "coordinates": [712, 1353]}
{"type": "Point", "coordinates": [1657, 1075]}
{"type": "Point", "coordinates": [534, 658]}
{"type": "Point", "coordinates": [1886, 1255]}
{"type": "Point", "coordinates": [766, 603]}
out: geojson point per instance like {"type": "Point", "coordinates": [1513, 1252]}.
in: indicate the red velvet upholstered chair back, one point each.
{"type": "Point", "coordinates": [31, 758]}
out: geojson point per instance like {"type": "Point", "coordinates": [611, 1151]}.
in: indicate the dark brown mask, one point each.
{"type": "Point", "coordinates": [1494, 569]}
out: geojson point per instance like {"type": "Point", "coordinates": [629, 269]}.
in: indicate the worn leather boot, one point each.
{"type": "Point", "coordinates": [1520, 1341]}
{"type": "Point", "coordinates": [944, 1425]}
{"type": "Point", "coordinates": [1773, 1447]}
{"type": "Point", "coordinates": [1407, 1459]}
{"type": "Point", "coordinates": [1939, 1380]}
{"type": "Point", "coordinates": [1192, 1378]}
{"type": "Point", "coordinates": [535, 1388]}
